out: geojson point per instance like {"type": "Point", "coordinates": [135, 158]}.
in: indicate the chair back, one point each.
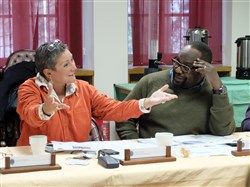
{"type": "Point", "coordinates": [20, 56]}
{"type": "Point", "coordinates": [19, 67]}
{"type": "Point", "coordinates": [95, 133]}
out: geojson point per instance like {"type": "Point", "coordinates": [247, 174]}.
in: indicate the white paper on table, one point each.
{"type": "Point", "coordinates": [205, 145]}
{"type": "Point", "coordinates": [203, 139]}
{"type": "Point", "coordinates": [199, 145]}
{"type": "Point", "coordinates": [246, 143]}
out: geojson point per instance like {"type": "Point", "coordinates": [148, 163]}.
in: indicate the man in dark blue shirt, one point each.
{"type": "Point", "coordinates": [245, 125]}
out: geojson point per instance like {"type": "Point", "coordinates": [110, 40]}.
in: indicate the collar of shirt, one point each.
{"type": "Point", "coordinates": [41, 81]}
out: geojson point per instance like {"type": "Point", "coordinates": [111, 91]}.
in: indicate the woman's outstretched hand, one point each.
{"type": "Point", "coordinates": [159, 97]}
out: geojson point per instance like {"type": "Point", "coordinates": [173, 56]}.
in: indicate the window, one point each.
{"type": "Point", "coordinates": [15, 27]}
{"type": "Point", "coordinates": [6, 25]}
{"type": "Point", "coordinates": [47, 20]}
{"type": "Point", "coordinates": [175, 18]}
{"type": "Point", "coordinates": [29, 23]}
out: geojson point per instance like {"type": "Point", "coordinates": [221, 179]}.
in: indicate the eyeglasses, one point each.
{"type": "Point", "coordinates": [183, 67]}
{"type": "Point", "coordinates": [54, 45]}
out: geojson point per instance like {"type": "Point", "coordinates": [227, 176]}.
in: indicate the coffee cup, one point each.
{"type": "Point", "coordinates": [38, 144]}
{"type": "Point", "coordinates": [164, 138]}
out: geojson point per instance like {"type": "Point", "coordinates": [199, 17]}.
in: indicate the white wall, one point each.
{"type": "Point", "coordinates": [110, 46]}
{"type": "Point", "coordinates": [88, 35]}
{"type": "Point", "coordinates": [236, 23]}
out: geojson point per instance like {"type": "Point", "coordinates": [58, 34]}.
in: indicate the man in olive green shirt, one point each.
{"type": "Point", "coordinates": [202, 106]}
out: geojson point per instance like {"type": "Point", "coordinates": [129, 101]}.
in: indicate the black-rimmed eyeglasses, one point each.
{"type": "Point", "coordinates": [183, 67]}
{"type": "Point", "coordinates": [54, 45]}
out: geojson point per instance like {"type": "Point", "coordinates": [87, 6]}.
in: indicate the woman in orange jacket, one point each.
{"type": "Point", "coordinates": [56, 104]}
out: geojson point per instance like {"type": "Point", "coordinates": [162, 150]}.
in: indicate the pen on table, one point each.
{"type": "Point", "coordinates": [231, 144]}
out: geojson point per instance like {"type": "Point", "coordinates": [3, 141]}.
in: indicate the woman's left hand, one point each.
{"type": "Point", "coordinates": [159, 97]}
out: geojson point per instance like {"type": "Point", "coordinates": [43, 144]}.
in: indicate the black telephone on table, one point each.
{"type": "Point", "coordinates": [107, 161]}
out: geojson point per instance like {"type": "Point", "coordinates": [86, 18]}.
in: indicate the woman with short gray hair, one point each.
{"type": "Point", "coordinates": [56, 104]}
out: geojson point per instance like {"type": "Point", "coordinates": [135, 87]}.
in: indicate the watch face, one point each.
{"type": "Point", "coordinates": [222, 90]}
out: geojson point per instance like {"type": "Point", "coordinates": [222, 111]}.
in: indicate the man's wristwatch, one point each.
{"type": "Point", "coordinates": [222, 90]}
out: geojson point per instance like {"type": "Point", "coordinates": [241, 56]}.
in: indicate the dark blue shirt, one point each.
{"type": "Point", "coordinates": [245, 125]}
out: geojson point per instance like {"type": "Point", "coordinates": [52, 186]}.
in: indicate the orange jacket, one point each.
{"type": "Point", "coordinates": [72, 124]}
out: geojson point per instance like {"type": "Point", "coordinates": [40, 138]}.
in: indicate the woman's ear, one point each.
{"type": "Point", "coordinates": [47, 73]}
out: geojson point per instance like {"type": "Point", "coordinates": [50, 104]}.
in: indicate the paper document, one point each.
{"type": "Point", "coordinates": [196, 145]}
{"type": "Point", "coordinates": [71, 146]}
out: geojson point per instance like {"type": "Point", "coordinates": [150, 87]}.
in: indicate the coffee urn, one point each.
{"type": "Point", "coordinates": [243, 58]}
{"type": "Point", "coordinates": [197, 34]}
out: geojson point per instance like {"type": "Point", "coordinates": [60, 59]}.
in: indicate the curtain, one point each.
{"type": "Point", "coordinates": [26, 24]}
{"type": "Point", "coordinates": [175, 18]}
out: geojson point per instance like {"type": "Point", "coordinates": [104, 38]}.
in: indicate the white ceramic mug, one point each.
{"type": "Point", "coordinates": [38, 144]}
{"type": "Point", "coordinates": [164, 138]}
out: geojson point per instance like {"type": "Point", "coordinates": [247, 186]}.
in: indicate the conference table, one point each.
{"type": "Point", "coordinates": [216, 170]}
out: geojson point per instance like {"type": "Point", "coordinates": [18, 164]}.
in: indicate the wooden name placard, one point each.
{"type": "Point", "coordinates": [240, 151]}
{"type": "Point", "coordinates": [128, 161]}
{"type": "Point", "coordinates": [21, 169]}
